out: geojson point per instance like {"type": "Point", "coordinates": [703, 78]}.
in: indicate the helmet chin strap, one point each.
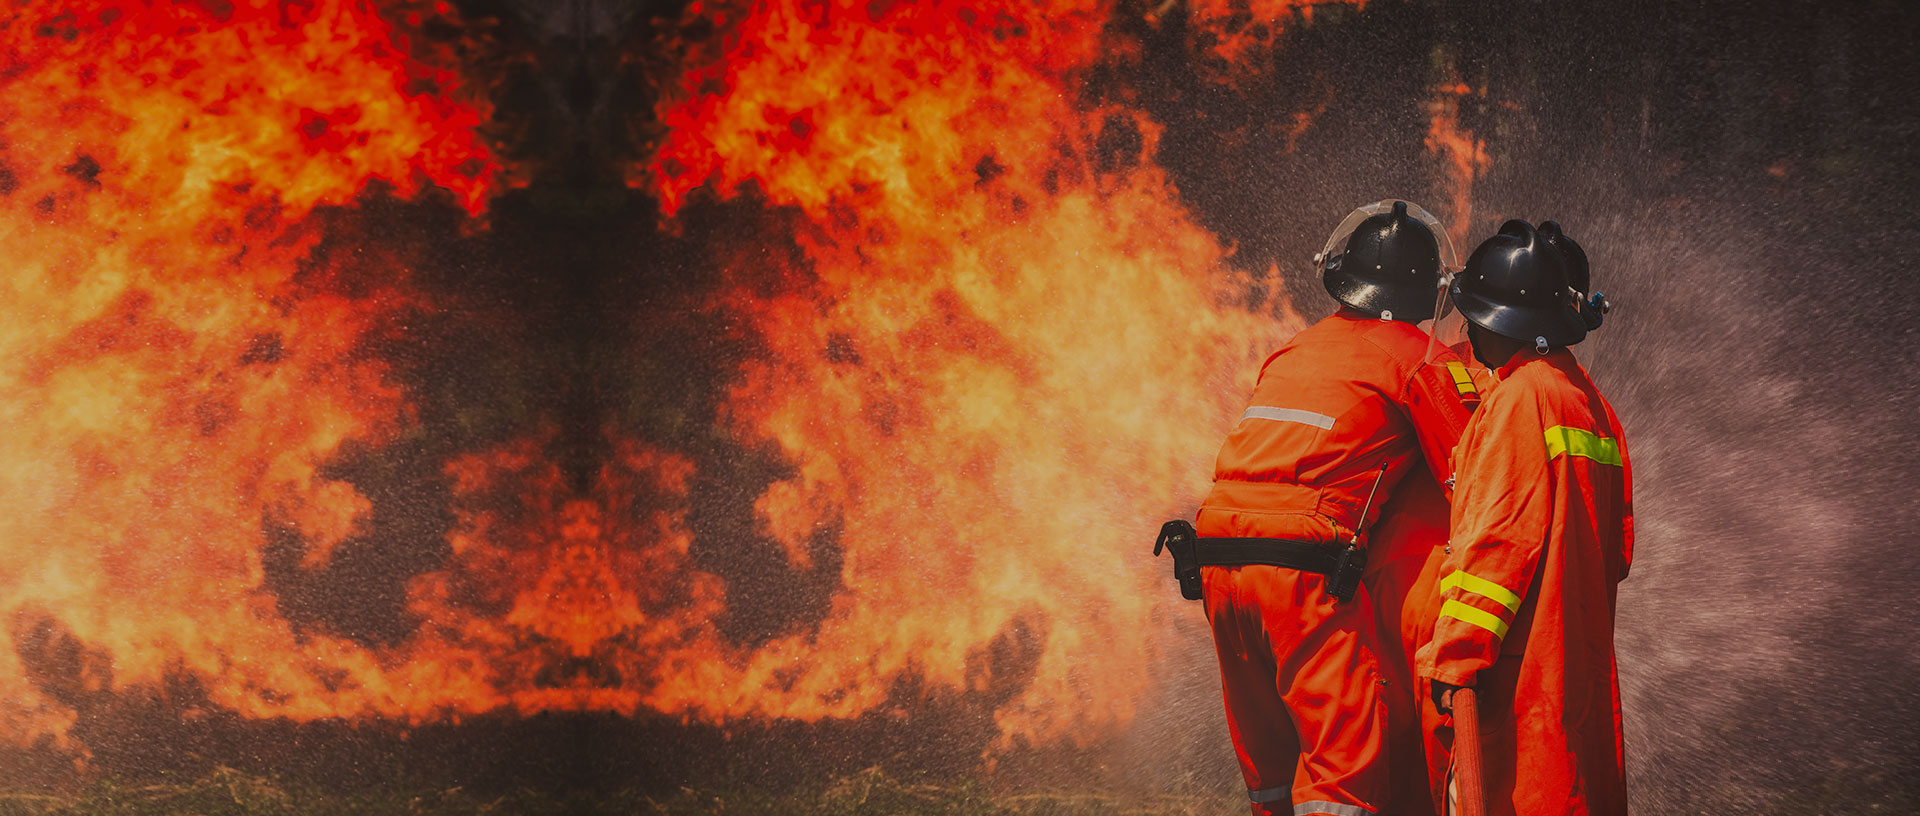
{"type": "Point", "coordinates": [1540, 345]}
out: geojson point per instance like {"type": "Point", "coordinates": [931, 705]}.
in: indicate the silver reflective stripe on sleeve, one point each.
{"type": "Point", "coordinates": [1321, 421]}
{"type": "Point", "coordinates": [1333, 808]}
{"type": "Point", "coordinates": [1265, 795]}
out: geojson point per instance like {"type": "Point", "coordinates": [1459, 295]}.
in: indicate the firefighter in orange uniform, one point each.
{"type": "Point", "coordinates": [1540, 537]}
{"type": "Point", "coordinates": [1341, 415]}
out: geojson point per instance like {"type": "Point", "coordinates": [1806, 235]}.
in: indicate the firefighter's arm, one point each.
{"type": "Point", "coordinates": [1626, 520]}
{"type": "Point", "coordinates": [1626, 492]}
{"type": "Point", "coordinates": [1438, 406]}
{"type": "Point", "coordinates": [1501, 518]}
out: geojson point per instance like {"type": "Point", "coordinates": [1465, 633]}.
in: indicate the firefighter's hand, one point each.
{"type": "Point", "coordinates": [1443, 696]}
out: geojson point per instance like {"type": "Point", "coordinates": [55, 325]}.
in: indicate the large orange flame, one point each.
{"type": "Point", "coordinates": [177, 364]}
{"type": "Point", "coordinates": [1003, 361]}
{"type": "Point", "coordinates": [997, 362]}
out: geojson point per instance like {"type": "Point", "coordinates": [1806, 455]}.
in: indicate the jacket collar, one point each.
{"type": "Point", "coordinates": [1558, 358]}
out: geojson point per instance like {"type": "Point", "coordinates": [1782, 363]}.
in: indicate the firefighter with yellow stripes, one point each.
{"type": "Point", "coordinates": [1541, 534]}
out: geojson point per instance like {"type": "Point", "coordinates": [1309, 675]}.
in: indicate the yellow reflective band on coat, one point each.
{"type": "Point", "coordinates": [1575, 442]}
{"type": "Point", "coordinates": [1462, 381]}
{"type": "Point", "coordinates": [1483, 619]}
{"type": "Point", "coordinates": [1481, 586]}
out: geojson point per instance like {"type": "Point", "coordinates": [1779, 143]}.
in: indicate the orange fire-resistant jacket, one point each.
{"type": "Point", "coordinates": [1347, 401]}
{"type": "Point", "coordinates": [1541, 535]}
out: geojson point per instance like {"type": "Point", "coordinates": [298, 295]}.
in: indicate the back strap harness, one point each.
{"type": "Point", "coordinates": [1341, 566]}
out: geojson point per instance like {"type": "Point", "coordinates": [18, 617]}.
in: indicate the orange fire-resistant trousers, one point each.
{"type": "Point", "coordinates": [1301, 680]}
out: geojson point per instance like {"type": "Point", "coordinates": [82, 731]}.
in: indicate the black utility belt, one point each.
{"type": "Point", "coordinates": [1341, 565]}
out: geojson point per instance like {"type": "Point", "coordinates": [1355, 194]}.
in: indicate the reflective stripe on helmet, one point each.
{"type": "Point", "coordinates": [1321, 421]}
{"type": "Point", "coordinates": [1481, 618]}
{"type": "Point", "coordinates": [1462, 381]}
{"type": "Point", "coordinates": [1477, 585]}
{"type": "Point", "coordinates": [1576, 442]}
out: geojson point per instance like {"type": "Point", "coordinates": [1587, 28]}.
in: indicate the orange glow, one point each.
{"type": "Point", "coordinates": [1232, 36]}
{"type": "Point", "coordinates": [600, 597]}
{"type": "Point", "coordinates": [1462, 154]}
{"type": "Point", "coordinates": [1303, 119]}
{"type": "Point", "coordinates": [1002, 366]}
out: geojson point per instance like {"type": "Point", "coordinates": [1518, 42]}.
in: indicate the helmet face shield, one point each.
{"type": "Point", "coordinates": [1383, 257]}
{"type": "Point", "coordinates": [1337, 242]}
{"type": "Point", "coordinates": [1447, 332]}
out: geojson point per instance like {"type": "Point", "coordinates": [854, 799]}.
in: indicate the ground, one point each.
{"type": "Point", "coordinates": [226, 792]}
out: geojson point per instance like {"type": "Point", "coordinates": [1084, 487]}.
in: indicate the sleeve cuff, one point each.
{"type": "Point", "coordinates": [1451, 678]}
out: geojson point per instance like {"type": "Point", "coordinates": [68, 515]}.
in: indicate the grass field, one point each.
{"type": "Point", "coordinates": [226, 792]}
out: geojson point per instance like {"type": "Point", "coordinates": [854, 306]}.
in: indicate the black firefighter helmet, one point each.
{"type": "Point", "coordinates": [1516, 285]}
{"type": "Point", "coordinates": [1579, 276]}
{"type": "Point", "coordinates": [1390, 265]}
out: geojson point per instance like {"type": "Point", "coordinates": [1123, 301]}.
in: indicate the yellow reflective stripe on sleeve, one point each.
{"type": "Point", "coordinates": [1481, 586]}
{"type": "Point", "coordinates": [1576, 442]}
{"type": "Point", "coordinates": [1462, 381]}
{"type": "Point", "coordinates": [1480, 618]}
